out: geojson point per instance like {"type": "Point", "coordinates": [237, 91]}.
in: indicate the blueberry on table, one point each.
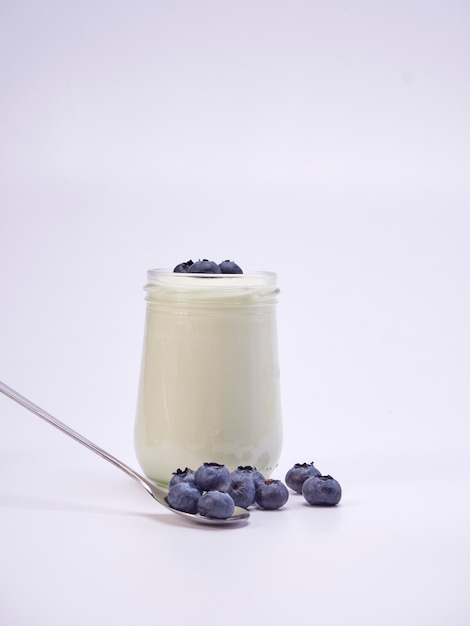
{"type": "Point", "coordinates": [183, 268]}
{"type": "Point", "coordinates": [242, 488]}
{"type": "Point", "coordinates": [271, 494]}
{"type": "Point", "coordinates": [209, 476]}
{"type": "Point", "coordinates": [184, 497]}
{"type": "Point", "coordinates": [218, 504]}
{"type": "Point", "coordinates": [298, 474]}
{"type": "Point", "coordinates": [322, 490]}
{"type": "Point", "coordinates": [230, 267]}
{"type": "Point", "coordinates": [204, 267]}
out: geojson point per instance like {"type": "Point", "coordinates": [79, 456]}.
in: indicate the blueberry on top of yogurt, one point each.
{"type": "Point", "coordinates": [204, 267]}
{"type": "Point", "coordinates": [183, 268]}
{"type": "Point", "coordinates": [230, 267]}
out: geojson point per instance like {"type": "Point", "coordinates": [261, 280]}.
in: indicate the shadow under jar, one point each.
{"type": "Point", "coordinates": [209, 384]}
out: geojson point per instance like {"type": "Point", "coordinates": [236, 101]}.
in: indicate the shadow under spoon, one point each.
{"type": "Point", "coordinates": [156, 492]}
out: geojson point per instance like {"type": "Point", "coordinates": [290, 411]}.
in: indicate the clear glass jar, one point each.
{"type": "Point", "coordinates": [209, 384]}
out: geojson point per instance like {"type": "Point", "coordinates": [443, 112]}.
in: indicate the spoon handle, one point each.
{"type": "Point", "coordinates": [27, 404]}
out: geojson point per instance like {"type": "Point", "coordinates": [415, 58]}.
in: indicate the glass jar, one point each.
{"type": "Point", "coordinates": [209, 383]}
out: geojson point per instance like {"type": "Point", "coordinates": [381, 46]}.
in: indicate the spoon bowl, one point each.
{"type": "Point", "coordinates": [154, 490]}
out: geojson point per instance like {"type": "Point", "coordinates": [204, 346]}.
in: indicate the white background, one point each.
{"type": "Point", "coordinates": [326, 141]}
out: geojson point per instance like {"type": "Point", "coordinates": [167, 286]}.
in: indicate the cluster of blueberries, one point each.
{"type": "Point", "coordinates": [213, 491]}
{"type": "Point", "coordinates": [208, 267]}
{"type": "Point", "coordinates": [316, 488]}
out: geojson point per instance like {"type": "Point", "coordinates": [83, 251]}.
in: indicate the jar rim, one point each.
{"type": "Point", "coordinates": [195, 280]}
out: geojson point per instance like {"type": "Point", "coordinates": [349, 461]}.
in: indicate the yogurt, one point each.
{"type": "Point", "coordinates": [209, 383]}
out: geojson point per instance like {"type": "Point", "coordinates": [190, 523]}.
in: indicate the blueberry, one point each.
{"type": "Point", "coordinates": [255, 474]}
{"type": "Point", "coordinates": [242, 488]}
{"type": "Point", "coordinates": [218, 504]}
{"type": "Point", "coordinates": [205, 267]}
{"type": "Point", "coordinates": [271, 494]}
{"type": "Point", "coordinates": [181, 476]}
{"type": "Point", "coordinates": [183, 268]}
{"type": "Point", "coordinates": [230, 267]}
{"type": "Point", "coordinates": [211, 476]}
{"type": "Point", "coordinates": [322, 490]}
{"type": "Point", "coordinates": [184, 497]}
{"type": "Point", "coordinates": [298, 474]}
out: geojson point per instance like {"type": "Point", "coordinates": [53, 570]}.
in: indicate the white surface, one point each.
{"type": "Point", "coordinates": [326, 141]}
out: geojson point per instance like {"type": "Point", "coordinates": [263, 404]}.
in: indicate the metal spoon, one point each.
{"type": "Point", "coordinates": [156, 492]}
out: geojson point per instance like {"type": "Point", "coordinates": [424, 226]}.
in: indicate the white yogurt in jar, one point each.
{"type": "Point", "coordinates": [209, 385]}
